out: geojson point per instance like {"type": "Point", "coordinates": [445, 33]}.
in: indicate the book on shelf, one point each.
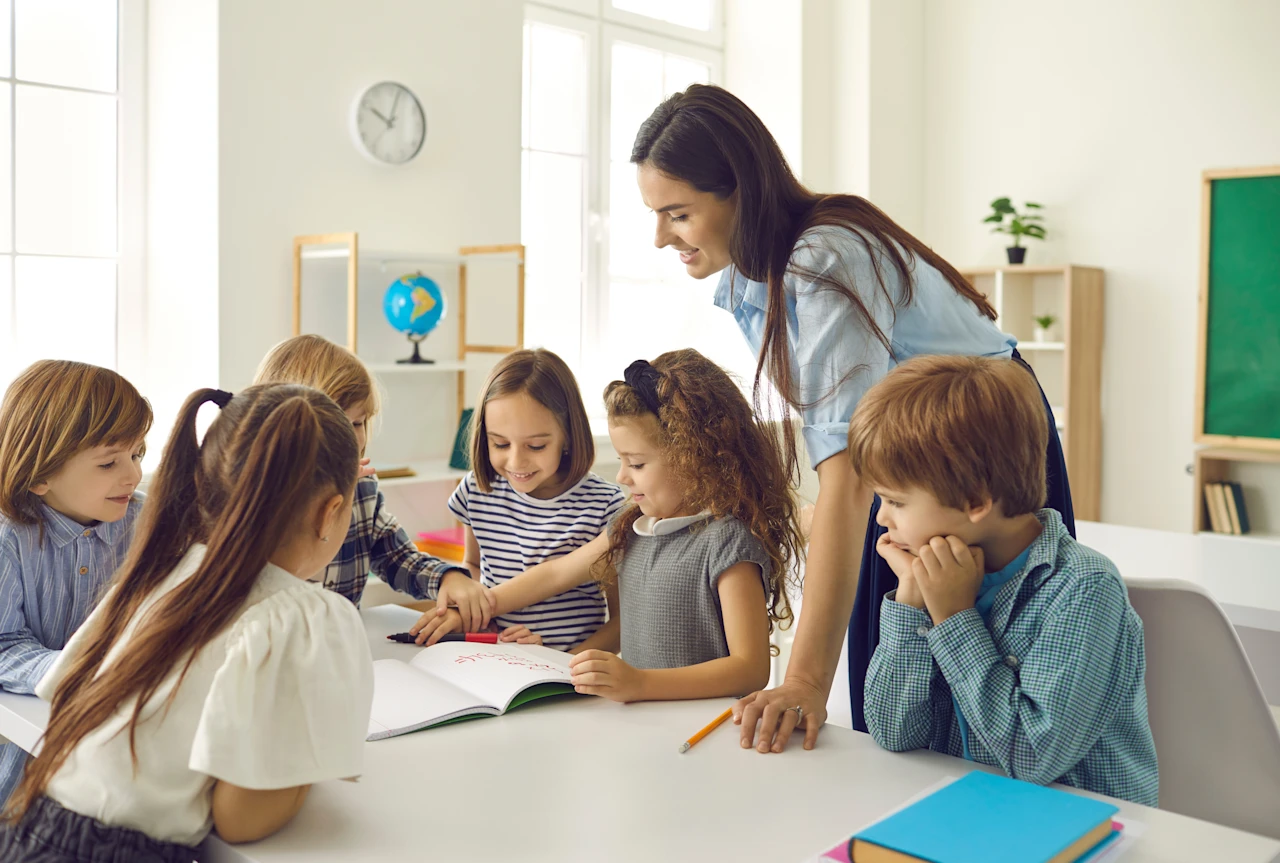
{"type": "Point", "coordinates": [393, 471]}
{"type": "Point", "coordinates": [1225, 504]}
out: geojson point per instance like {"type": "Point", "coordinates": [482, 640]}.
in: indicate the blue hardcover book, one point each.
{"type": "Point", "coordinates": [989, 819]}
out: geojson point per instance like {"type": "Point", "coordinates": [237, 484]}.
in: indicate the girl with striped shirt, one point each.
{"type": "Point", "coordinates": [531, 497]}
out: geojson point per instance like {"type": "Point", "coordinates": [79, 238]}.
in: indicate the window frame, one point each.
{"type": "Point", "coordinates": [130, 249]}
{"type": "Point", "coordinates": [603, 26]}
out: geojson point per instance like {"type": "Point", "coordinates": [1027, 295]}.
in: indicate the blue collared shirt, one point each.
{"type": "Point", "coordinates": [47, 588]}
{"type": "Point", "coordinates": [835, 357]}
{"type": "Point", "coordinates": [1051, 684]}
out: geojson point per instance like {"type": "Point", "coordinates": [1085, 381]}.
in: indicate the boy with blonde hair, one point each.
{"type": "Point", "coordinates": [1007, 642]}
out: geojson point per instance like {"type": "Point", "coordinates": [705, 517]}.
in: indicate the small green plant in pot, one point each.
{"type": "Point", "coordinates": [1024, 224]}
{"type": "Point", "coordinates": [1043, 324]}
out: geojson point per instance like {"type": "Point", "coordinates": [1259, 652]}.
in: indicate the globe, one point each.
{"type": "Point", "coordinates": [414, 305]}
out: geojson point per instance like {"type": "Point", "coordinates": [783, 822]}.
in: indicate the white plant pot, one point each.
{"type": "Point", "coordinates": [1040, 334]}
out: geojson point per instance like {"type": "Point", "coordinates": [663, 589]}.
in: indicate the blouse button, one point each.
{"type": "Point", "coordinates": [84, 570]}
{"type": "Point", "coordinates": [922, 631]}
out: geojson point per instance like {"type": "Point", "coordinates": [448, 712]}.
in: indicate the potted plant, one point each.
{"type": "Point", "coordinates": [1043, 324]}
{"type": "Point", "coordinates": [1020, 225]}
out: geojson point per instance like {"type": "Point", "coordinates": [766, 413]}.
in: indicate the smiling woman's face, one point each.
{"type": "Point", "coordinates": [695, 224]}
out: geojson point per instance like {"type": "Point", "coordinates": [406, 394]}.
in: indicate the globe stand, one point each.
{"type": "Point", "coordinates": [417, 358]}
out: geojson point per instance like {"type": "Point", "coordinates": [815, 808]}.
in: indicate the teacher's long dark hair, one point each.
{"type": "Point", "coordinates": [710, 139]}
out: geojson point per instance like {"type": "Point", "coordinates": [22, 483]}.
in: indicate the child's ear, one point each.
{"type": "Point", "coordinates": [980, 509]}
{"type": "Point", "coordinates": [330, 515]}
{"type": "Point", "coordinates": [40, 489]}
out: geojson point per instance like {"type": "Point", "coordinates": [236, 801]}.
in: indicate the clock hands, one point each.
{"type": "Point", "coordinates": [378, 114]}
{"type": "Point", "coordinates": [394, 102]}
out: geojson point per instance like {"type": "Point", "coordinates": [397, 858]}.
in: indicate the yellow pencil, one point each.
{"type": "Point", "coordinates": [711, 726]}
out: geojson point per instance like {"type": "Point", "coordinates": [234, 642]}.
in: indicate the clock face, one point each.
{"type": "Point", "coordinates": [388, 123]}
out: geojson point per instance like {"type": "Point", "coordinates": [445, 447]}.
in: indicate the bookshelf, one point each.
{"type": "Point", "coordinates": [1068, 364]}
{"type": "Point", "coordinates": [338, 287]}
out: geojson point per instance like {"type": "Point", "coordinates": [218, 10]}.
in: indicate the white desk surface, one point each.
{"type": "Point", "coordinates": [587, 779]}
{"type": "Point", "coordinates": [1241, 573]}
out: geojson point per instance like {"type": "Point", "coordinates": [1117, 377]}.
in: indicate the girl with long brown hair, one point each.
{"type": "Point", "coordinates": [702, 554]}
{"type": "Point", "coordinates": [213, 684]}
{"type": "Point", "coordinates": [830, 293]}
{"type": "Point", "coordinates": [71, 446]}
{"type": "Point", "coordinates": [375, 542]}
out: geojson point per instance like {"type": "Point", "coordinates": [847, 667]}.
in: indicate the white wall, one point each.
{"type": "Point", "coordinates": [1106, 113]}
{"type": "Point", "coordinates": [862, 102]}
{"type": "Point", "coordinates": [290, 70]}
{"type": "Point", "coordinates": [181, 345]}
{"type": "Point", "coordinates": [762, 66]}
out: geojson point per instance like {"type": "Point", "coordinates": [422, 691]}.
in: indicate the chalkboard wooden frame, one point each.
{"type": "Point", "coordinates": [1206, 225]}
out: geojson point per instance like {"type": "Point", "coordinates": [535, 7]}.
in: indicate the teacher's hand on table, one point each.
{"type": "Point", "coordinates": [774, 710]}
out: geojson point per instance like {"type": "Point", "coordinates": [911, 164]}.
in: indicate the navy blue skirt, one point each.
{"type": "Point", "coordinates": [877, 578]}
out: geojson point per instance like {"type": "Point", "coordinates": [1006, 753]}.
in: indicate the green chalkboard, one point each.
{"type": "Point", "coordinates": [1242, 341]}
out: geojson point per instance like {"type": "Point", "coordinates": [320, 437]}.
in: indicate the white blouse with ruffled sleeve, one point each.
{"type": "Point", "coordinates": [279, 698]}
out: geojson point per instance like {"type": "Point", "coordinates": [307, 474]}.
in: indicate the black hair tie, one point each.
{"type": "Point", "coordinates": [643, 378]}
{"type": "Point", "coordinates": [220, 398]}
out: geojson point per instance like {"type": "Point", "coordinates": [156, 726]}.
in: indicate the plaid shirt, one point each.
{"type": "Point", "coordinates": [377, 543]}
{"type": "Point", "coordinates": [1052, 691]}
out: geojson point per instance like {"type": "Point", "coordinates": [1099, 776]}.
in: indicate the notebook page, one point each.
{"type": "Point", "coordinates": [405, 698]}
{"type": "Point", "coordinates": [494, 673]}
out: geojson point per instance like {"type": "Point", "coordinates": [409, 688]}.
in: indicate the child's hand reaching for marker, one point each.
{"type": "Point", "coordinates": [475, 603]}
{"type": "Point", "coordinates": [948, 574]}
{"type": "Point", "coordinates": [431, 626]}
{"type": "Point", "coordinates": [599, 672]}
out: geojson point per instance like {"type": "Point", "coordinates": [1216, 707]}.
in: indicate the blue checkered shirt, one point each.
{"type": "Point", "coordinates": [1052, 690]}
{"type": "Point", "coordinates": [48, 586]}
{"type": "Point", "coordinates": [377, 543]}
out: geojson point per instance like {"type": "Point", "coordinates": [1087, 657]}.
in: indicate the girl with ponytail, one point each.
{"type": "Point", "coordinates": [214, 684]}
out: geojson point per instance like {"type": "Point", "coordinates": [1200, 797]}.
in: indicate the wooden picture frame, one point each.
{"type": "Point", "coordinates": [352, 241]}
{"type": "Point", "coordinates": [1202, 311]}
{"type": "Point", "coordinates": [465, 347]}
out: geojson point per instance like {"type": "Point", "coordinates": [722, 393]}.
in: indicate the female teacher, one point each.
{"type": "Point", "coordinates": [830, 293]}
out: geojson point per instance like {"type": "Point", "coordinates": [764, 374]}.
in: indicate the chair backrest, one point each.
{"type": "Point", "coordinates": [1216, 739]}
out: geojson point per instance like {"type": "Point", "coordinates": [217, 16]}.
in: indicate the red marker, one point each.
{"type": "Point", "coordinates": [475, 637]}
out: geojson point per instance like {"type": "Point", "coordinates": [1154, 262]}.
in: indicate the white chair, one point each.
{"type": "Point", "coordinates": [1216, 739]}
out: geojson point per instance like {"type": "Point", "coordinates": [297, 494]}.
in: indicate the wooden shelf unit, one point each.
{"type": "Point", "coordinates": [347, 245]}
{"type": "Point", "coordinates": [1213, 464]}
{"type": "Point", "coordinates": [1070, 366]}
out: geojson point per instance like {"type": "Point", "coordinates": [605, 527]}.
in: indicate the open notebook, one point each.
{"type": "Point", "coordinates": [454, 680]}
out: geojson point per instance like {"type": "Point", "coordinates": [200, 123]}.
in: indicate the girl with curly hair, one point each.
{"type": "Point", "coordinates": [703, 552]}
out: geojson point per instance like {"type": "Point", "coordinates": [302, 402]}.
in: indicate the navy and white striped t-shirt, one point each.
{"type": "Point", "coordinates": [516, 531]}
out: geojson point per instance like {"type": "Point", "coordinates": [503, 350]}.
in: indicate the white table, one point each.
{"type": "Point", "coordinates": [1241, 572]}
{"type": "Point", "coordinates": [586, 779]}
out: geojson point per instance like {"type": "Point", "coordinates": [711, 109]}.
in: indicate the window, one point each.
{"type": "Point", "coordinates": [62, 136]}
{"type": "Point", "coordinates": [599, 293]}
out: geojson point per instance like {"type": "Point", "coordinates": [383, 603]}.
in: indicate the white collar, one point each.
{"type": "Point", "coordinates": [647, 525]}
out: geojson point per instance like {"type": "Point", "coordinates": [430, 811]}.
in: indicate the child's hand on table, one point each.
{"type": "Point", "coordinates": [475, 603]}
{"type": "Point", "coordinates": [948, 574]}
{"type": "Point", "coordinates": [598, 672]}
{"type": "Point", "coordinates": [902, 563]}
{"type": "Point", "coordinates": [431, 627]}
{"type": "Point", "coordinates": [520, 635]}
